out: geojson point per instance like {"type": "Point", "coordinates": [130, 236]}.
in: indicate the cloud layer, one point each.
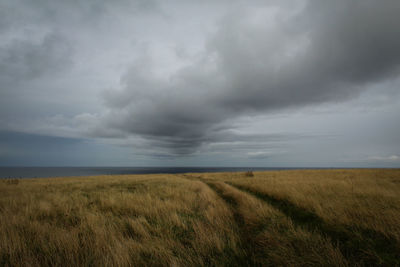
{"type": "Point", "coordinates": [260, 59]}
{"type": "Point", "coordinates": [217, 82]}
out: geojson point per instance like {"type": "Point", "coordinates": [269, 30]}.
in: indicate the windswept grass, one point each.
{"type": "Point", "coordinates": [282, 218]}
{"type": "Point", "coordinates": [119, 221]}
{"type": "Point", "coordinates": [273, 239]}
{"type": "Point", "coordinates": [358, 209]}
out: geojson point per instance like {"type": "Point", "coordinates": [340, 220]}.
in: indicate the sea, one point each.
{"type": "Point", "coordinates": [41, 172]}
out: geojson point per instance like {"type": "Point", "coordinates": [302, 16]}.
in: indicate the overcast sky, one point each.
{"type": "Point", "coordinates": [200, 83]}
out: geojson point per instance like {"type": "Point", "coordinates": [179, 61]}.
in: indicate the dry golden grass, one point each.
{"type": "Point", "coordinates": [118, 220]}
{"type": "Point", "coordinates": [295, 218]}
{"type": "Point", "coordinates": [271, 238]}
{"type": "Point", "coordinates": [359, 207]}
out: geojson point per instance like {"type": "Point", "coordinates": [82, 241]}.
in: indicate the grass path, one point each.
{"type": "Point", "coordinates": [371, 246]}
{"type": "Point", "coordinates": [245, 238]}
{"type": "Point", "coordinates": [267, 234]}
{"type": "Point", "coordinates": [232, 205]}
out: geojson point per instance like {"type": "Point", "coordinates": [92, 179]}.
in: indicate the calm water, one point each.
{"type": "Point", "coordinates": [34, 172]}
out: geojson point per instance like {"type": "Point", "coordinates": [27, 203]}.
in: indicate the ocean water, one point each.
{"type": "Point", "coordinates": [36, 172]}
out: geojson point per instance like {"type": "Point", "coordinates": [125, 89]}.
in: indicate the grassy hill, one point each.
{"type": "Point", "coordinates": [276, 218]}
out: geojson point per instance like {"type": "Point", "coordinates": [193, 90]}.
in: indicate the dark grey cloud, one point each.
{"type": "Point", "coordinates": [23, 60]}
{"type": "Point", "coordinates": [45, 47]}
{"type": "Point", "coordinates": [214, 142]}
{"type": "Point", "coordinates": [23, 63]}
{"type": "Point", "coordinates": [326, 52]}
{"type": "Point", "coordinates": [38, 37]}
{"type": "Point", "coordinates": [260, 59]}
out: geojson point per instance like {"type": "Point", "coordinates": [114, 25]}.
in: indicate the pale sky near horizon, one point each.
{"type": "Point", "coordinates": [288, 83]}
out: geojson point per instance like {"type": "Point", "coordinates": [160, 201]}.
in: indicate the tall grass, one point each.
{"type": "Point", "coordinates": [273, 239]}
{"type": "Point", "coordinates": [360, 198]}
{"type": "Point", "coordinates": [359, 209]}
{"type": "Point", "coordinates": [119, 221]}
{"type": "Point", "coordinates": [296, 218]}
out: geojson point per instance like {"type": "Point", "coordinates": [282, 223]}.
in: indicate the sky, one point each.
{"type": "Point", "coordinates": [288, 83]}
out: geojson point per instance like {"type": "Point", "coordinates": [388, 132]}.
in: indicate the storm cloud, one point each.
{"type": "Point", "coordinates": [260, 59]}
{"type": "Point", "coordinates": [291, 83]}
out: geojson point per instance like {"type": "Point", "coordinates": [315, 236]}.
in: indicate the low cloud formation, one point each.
{"type": "Point", "coordinates": [392, 158]}
{"type": "Point", "coordinates": [260, 59]}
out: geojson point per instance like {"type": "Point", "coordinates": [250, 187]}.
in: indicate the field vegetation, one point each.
{"type": "Point", "coordinates": [274, 218]}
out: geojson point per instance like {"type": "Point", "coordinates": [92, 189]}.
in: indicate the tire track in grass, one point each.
{"type": "Point", "coordinates": [232, 203]}
{"type": "Point", "coordinates": [245, 238]}
{"type": "Point", "coordinates": [238, 220]}
{"type": "Point", "coordinates": [359, 246]}
{"type": "Point", "coordinates": [283, 244]}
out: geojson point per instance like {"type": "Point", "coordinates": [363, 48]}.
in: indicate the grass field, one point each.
{"type": "Point", "coordinates": [276, 218]}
